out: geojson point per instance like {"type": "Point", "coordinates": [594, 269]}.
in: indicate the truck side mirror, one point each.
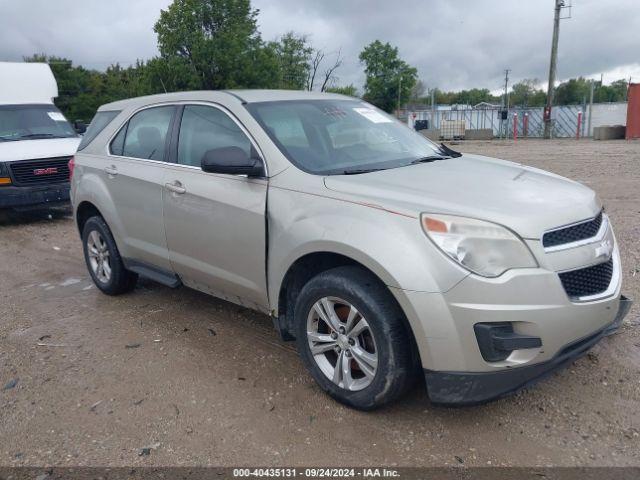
{"type": "Point", "coordinates": [79, 126]}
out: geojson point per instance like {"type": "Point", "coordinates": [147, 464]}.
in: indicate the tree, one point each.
{"type": "Point", "coordinates": [614, 92]}
{"type": "Point", "coordinates": [349, 90]}
{"type": "Point", "coordinates": [387, 76]}
{"type": "Point", "coordinates": [294, 57]}
{"type": "Point", "coordinates": [329, 77]}
{"type": "Point", "coordinates": [173, 74]}
{"type": "Point", "coordinates": [418, 91]}
{"type": "Point", "coordinates": [526, 94]}
{"type": "Point", "coordinates": [572, 92]}
{"type": "Point", "coordinates": [314, 66]}
{"type": "Point", "coordinates": [219, 41]}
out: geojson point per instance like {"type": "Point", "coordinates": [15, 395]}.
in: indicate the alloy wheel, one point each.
{"type": "Point", "coordinates": [99, 258]}
{"type": "Point", "coordinates": [342, 343]}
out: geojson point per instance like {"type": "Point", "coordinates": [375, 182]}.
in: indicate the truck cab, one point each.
{"type": "Point", "coordinates": [36, 140]}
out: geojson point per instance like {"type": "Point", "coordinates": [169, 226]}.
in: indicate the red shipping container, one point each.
{"type": "Point", "coordinates": [633, 111]}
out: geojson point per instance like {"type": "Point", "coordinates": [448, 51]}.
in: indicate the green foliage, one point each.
{"type": "Point", "coordinates": [218, 40]}
{"type": "Point", "coordinates": [386, 76]}
{"type": "Point", "coordinates": [576, 90]}
{"type": "Point", "coordinates": [573, 91]}
{"type": "Point", "coordinates": [349, 90]}
{"type": "Point", "coordinates": [169, 75]}
{"type": "Point", "coordinates": [294, 56]}
{"type": "Point", "coordinates": [526, 94]}
{"type": "Point", "coordinates": [465, 97]}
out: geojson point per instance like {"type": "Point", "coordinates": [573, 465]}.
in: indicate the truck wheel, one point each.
{"type": "Point", "coordinates": [103, 259]}
{"type": "Point", "coordinates": [352, 338]}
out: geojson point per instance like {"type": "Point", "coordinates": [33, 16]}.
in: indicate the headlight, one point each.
{"type": "Point", "coordinates": [484, 248]}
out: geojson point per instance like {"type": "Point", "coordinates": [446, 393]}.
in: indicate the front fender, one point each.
{"type": "Point", "coordinates": [389, 244]}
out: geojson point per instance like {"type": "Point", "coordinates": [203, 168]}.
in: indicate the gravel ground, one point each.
{"type": "Point", "coordinates": [86, 379]}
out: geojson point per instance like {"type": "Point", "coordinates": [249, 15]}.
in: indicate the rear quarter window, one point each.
{"type": "Point", "coordinates": [98, 124]}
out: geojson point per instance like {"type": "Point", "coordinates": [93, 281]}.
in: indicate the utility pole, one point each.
{"type": "Point", "coordinates": [432, 125]}
{"type": "Point", "coordinates": [590, 108]}
{"type": "Point", "coordinates": [552, 68]}
{"type": "Point", "coordinates": [506, 88]}
{"type": "Point", "coordinates": [399, 90]}
{"type": "Point", "coordinates": [506, 101]}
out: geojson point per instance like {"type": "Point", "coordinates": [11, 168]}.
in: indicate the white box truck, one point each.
{"type": "Point", "coordinates": [36, 140]}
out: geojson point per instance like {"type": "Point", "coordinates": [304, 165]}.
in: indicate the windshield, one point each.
{"type": "Point", "coordinates": [329, 137]}
{"type": "Point", "coordinates": [29, 122]}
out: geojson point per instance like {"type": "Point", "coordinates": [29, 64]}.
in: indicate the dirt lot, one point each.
{"type": "Point", "coordinates": [204, 382]}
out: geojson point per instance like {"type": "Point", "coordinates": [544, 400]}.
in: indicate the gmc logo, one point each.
{"type": "Point", "coordinates": [45, 171]}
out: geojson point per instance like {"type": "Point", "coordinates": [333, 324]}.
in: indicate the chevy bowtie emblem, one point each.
{"type": "Point", "coordinates": [604, 249]}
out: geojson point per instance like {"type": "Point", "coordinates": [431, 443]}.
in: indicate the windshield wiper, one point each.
{"type": "Point", "coordinates": [41, 135]}
{"type": "Point", "coordinates": [357, 171]}
{"type": "Point", "coordinates": [429, 159]}
{"type": "Point", "coordinates": [449, 152]}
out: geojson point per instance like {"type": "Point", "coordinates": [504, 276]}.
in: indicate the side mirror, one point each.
{"type": "Point", "coordinates": [232, 161]}
{"type": "Point", "coordinates": [79, 126]}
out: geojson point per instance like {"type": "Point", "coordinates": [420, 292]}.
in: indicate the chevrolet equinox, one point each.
{"type": "Point", "coordinates": [382, 254]}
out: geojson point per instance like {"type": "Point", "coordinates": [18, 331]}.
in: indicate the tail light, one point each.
{"type": "Point", "coordinates": [72, 164]}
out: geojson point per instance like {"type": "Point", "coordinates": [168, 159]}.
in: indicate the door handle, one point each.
{"type": "Point", "coordinates": [112, 170]}
{"type": "Point", "coordinates": [175, 187]}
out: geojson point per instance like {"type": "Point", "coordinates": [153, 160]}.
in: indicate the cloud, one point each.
{"type": "Point", "coordinates": [454, 44]}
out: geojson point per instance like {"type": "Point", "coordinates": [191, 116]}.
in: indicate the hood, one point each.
{"type": "Point", "coordinates": [525, 199]}
{"type": "Point", "coordinates": [41, 148]}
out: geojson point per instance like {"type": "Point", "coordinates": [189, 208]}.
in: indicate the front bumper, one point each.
{"type": "Point", "coordinates": [532, 302]}
{"type": "Point", "coordinates": [29, 197]}
{"type": "Point", "coordinates": [472, 388]}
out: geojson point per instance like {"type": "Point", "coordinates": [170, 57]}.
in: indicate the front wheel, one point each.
{"type": "Point", "coordinates": [352, 338]}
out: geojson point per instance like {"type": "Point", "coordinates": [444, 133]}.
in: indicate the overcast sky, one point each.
{"type": "Point", "coordinates": [453, 43]}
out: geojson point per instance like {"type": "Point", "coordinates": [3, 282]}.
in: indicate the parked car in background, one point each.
{"type": "Point", "coordinates": [381, 253]}
{"type": "Point", "coordinates": [36, 140]}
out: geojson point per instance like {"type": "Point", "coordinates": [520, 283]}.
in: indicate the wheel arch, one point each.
{"type": "Point", "coordinates": [307, 266]}
{"type": "Point", "coordinates": [84, 212]}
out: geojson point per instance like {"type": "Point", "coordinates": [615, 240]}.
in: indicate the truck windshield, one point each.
{"type": "Point", "coordinates": [29, 122]}
{"type": "Point", "coordinates": [338, 137]}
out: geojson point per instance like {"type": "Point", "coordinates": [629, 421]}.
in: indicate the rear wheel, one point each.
{"type": "Point", "coordinates": [352, 337]}
{"type": "Point", "coordinates": [103, 259]}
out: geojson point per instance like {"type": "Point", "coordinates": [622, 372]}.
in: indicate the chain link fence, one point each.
{"type": "Point", "coordinates": [530, 123]}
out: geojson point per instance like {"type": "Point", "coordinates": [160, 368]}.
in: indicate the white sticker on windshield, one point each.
{"type": "Point", "coordinates": [372, 115]}
{"type": "Point", "coordinates": [56, 116]}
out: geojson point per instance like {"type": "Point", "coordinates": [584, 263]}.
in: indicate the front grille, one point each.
{"type": "Point", "coordinates": [588, 281]}
{"type": "Point", "coordinates": [40, 172]}
{"type": "Point", "coordinates": [574, 233]}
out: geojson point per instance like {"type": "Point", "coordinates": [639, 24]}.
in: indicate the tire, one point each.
{"type": "Point", "coordinates": [343, 289]}
{"type": "Point", "coordinates": [119, 280]}
{"type": "Point", "coordinates": [5, 215]}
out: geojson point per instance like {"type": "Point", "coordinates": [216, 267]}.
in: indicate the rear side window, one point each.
{"type": "Point", "coordinates": [117, 144]}
{"type": "Point", "coordinates": [145, 134]}
{"type": "Point", "coordinates": [207, 128]}
{"type": "Point", "coordinates": [98, 124]}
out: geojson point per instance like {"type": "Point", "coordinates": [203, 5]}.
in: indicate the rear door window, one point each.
{"type": "Point", "coordinates": [98, 124]}
{"type": "Point", "coordinates": [145, 134]}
